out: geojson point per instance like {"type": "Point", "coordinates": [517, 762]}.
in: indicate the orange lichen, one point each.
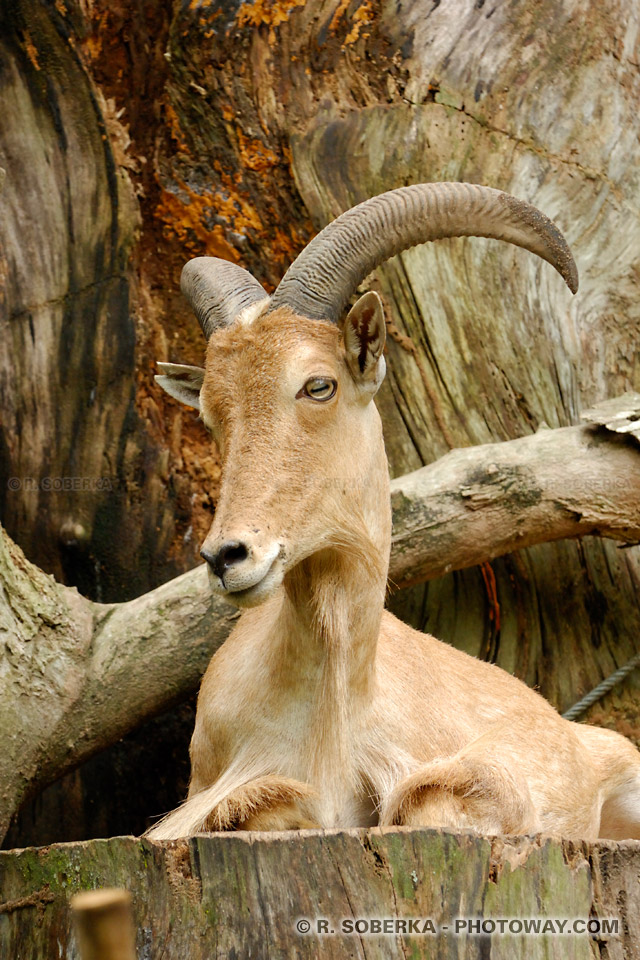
{"type": "Point", "coordinates": [255, 155]}
{"type": "Point", "coordinates": [362, 16]}
{"type": "Point", "coordinates": [92, 46]}
{"type": "Point", "coordinates": [238, 212]}
{"type": "Point", "coordinates": [205, 11]}
{"type": "Point", "coordinates": [269, 13]}
{"type": "Point", "coordinates": [31, 51]}
{"type": "Point", "coordinates": [286, 246]}
{"type": "Point", "coordinates": [187, 220]}
{"type": "Point", "coordinates": [174, 128]}
{"type": "Point", "coordinates": [340, 10]}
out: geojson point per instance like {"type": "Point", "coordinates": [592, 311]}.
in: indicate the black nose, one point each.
{"type": "Point", "coordinates": [228, 554]}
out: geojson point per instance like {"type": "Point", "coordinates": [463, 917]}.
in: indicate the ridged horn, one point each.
{"type": "Point", "coordinates": [218, 291]}
{"type": "Point", "coordinates": [320, 282]}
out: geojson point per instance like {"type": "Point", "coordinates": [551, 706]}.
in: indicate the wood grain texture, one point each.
{"type": "Point", "coordinates": [83, 451]}
{"type": "Point", "coordinates": [240, 895]}
{"type": "Point", "coordinates": [67, 335]}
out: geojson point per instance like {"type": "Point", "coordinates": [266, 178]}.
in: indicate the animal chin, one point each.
{"type": "Point", "coordinates": [255, 593]}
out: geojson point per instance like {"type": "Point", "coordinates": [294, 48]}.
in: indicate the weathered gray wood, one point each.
{"type": "Point", "coordinates": [478, 503]}
{"type": "Point", "coordinates": [619, 414]}
{"type": "Point", "coordinates": [83, 452]}
{"type": "Point", "coordinates": [240, 895]}
{"type": "Point", "coordinates": [66, 231]}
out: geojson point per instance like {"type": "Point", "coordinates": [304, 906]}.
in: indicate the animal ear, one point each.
{"type": "Point", "coordinates": [364, 338]}
{"type": "Point", "coordinates": [182, 382]}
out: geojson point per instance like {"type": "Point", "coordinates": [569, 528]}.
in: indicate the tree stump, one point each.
{"type": "Point", "coordinates": [261, 895]}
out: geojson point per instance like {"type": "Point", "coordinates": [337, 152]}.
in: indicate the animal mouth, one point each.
{"type": "Point", "coordinates": [251, 590]}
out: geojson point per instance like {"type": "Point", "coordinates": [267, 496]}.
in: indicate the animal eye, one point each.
{"type": "Point", "coordinates": [318, 388]}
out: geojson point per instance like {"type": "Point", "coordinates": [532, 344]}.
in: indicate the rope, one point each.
{"type": "Point", "coordinates": [594, 695]}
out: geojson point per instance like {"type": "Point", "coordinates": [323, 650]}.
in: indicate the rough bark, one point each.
{"type": "Point", "coordinates": [242, 894]}
{"type": "Point", "coordinates": [84, 449]}
{"type": "Point", "coordinates": [478, 503]}
{"type": "Point", "coordinates": [76, 675]}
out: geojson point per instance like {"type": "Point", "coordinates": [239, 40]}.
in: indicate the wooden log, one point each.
{"type": "Point", "coordinates": [261, 895]}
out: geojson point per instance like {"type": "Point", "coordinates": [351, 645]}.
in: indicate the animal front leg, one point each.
{"type": "Point", "coordinates": [266, 803]}
{"type": "Point", "coordinates": [463, 792]}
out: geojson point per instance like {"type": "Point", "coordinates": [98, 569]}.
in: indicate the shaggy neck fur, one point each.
{"type": "Point", "coordinates": [327, 634]}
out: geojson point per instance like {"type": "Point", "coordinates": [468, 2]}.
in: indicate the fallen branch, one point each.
{"type": "Point", "coordinates": [76, 676]}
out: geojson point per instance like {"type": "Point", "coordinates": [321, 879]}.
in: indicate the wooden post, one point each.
{"type": "Point", "coordinates": [104, 925]}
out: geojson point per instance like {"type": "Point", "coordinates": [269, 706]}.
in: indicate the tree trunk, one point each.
{"type": "Point", "coordinates": [246, 128]}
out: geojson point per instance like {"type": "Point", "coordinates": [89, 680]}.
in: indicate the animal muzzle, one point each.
{"type": "Point", "coordinates": [238, 566]}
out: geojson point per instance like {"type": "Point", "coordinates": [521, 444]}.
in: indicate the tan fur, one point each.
{"type": "Point", "coordinates": [321, 707]}
{"type": "Point", "coordinates": [463, 792]}
{"type": "Point", "coordinates": [261, 803]}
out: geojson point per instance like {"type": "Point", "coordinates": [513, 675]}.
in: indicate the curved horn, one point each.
{"type": "Point", "coordinates": [321, 280]}
{"type": "Point", "coordinates": [218, 291]}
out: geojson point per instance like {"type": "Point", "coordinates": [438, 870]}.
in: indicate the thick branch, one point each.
{"type": "Point", "coordinates": [76, 676]}
{"type": "Point", "coordinates": [478, 503]}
